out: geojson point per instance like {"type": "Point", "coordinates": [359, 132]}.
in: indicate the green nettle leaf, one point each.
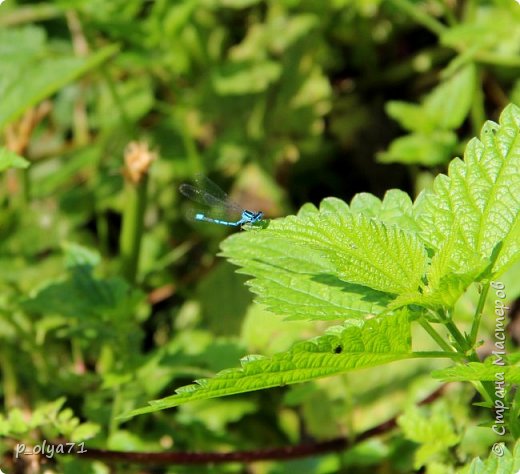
{"type": "Point", "coordinates": [470, 220]}
{"type": "Point", "coordinates": [396, 208]}
{"type": "Point", "coordinates": [445, 286]}
{"type": "Point", "coordinates": [506, 462]}
{"type": "Point", "coordinates": [299, 285]}
{"type": "Point", "coordinates": [358, 249]}
{"type": "Point", "coordinates": [329, 264]}
{"type": "Point", "coordinates": [478, 371]}
{"type": "Point", "coordinates": [355, 345]}
{"type": "Point", "coordinates": [478, 202]}
{"type": "Point", "coordinates": [373, 264]}
{"type": "Point", "coordinates": [50, 415]}
{"type": "Point", "coordinates": [8, 159]}
{"type": "Point", "coordinates": [88, 304]}
{"type": "Point", "coordinates": [434, 433]}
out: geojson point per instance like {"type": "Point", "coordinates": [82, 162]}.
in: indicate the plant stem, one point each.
{"type": "Point", "coordinates": [189, 144]}
{"type": "Point", "coordinates": [132, 229]}
{"type": "Point", "coordinates": [457, 335]}
{"type": "Point", "coordinates": [116, 410]}
{"type": "Point", "coordinates": [9, 379]}
{"type": "Point", "coordinates": [485, 388]}
{"type": "Point", "coordinates": [30, 14]}
{"type": "Point", "coordinates": [435, 335]}
{"type": "Point", "coordinates": [504, 60]}
{"type": "Point", "coordinates": [448, 13]}
{"type": "Point", "coordinates": [418, 15]}
{"type": "Point", "coordinates": [461, 342]}
{"type": "Point", "coordinates": [478, 315]}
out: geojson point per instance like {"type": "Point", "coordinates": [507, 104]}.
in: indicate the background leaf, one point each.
{"type": "Point", "coordinates": [450, 102]}
{"type": "Point", "coordinates": [475, 371]}
{"type": "Point", "coordinates": [8, 159]}
{"type": "Point", "coordinates": [21, 89]}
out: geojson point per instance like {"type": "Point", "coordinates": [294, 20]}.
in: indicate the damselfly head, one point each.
{"type": "Point", "coordinates": [252, 216]}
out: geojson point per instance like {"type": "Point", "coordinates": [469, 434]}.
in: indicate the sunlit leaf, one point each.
{"type": "Point", "coordinates": [343, 348]}
{"type": "Point", "coordinates": [8, 159]}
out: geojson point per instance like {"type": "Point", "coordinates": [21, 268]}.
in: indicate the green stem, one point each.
{"type": "Point", "coordinates": [460, 342]}
{"type": "Point", "coordinates": [435, 335]}
{"type": "Point", "coordinates": [173, 256]}
{"type": "Point", "coordinates": [132, 228]}
{"type": "Point", "coordinates": [485, 388]}
{"type": "Point", "coordinates": [9, 379]}
{"type": "Point", "coordinates": [478, 315]}
{"type": "Point", "coordinates": [30, 14]}
{"type": "Point", "coordinates": [116, 410]}
{"type": "Point", "coordinates": [418, 15]}
{"type": "Point", "coordinates": [504, 60]}
{"type": "Point", "coordinates": [448, 13]}
{"type": "Point", "coordinates": [190, 145]}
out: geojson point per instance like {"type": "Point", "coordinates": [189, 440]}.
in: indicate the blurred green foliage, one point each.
{"type": "Point", "coordinates": [283, 102]}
